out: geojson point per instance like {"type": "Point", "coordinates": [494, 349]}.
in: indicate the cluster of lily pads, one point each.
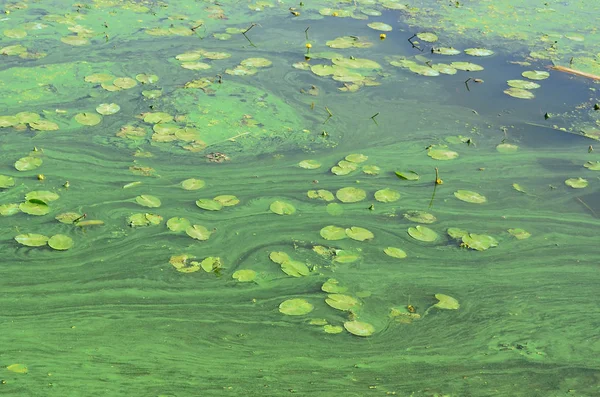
{"type": "Point", "coordinates": [522, 88]}
{"type": "Point", "coordinates": [189, 59]}
{"type": "Point", "coordinates": [249, 66]}
{"type": "Point", "coordinates": [22, 120]}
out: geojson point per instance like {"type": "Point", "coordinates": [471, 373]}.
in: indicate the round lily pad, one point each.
{"type": "Point", "coordinates": [43, 125]}
{"type": "Point", "coordinates": [295, 307]}
{"type": "Point", "coordinates": [422, 233]}
{"type": "Point", "coordinates": [332, 329]}
{"type": "Point", "coordinates": [383, 27]}
{"type": "Point", "coordinates": [227, 200]}
{"type": "Point", "coordinates": [446, 302]}
{"type": "Point", "coordinates": [356, 158]}
{"type": "Point", "coordinates": [335, 209]}
{"type": "Point", "coordinates": [87, 118]}
{"type": "Point", "coordinates": [507, 148]}
{"type": "Point", "coordinates": [443, 68]}
{"type": "Point", "coordinates": [43, 195]}
{"type": "Point", "coordinates": [576, 183]}
{"type": "Point", "coordinates": [466, 66]}
{"type": "Point", "coordinates": [146, 78]}
{"type": "Point", "coordinates": [420, 217]}
{"type": "Point", "coordinates": [193, 184]}
{"type": "Point", "coordinates": [177, 224]}
{"type": "Point", "coordinates": [408, 175]}
{"type": "Point", "coordinates": [282, 208]}
{"type": "Point", "coordinates": [256, 62]}
{"type": "Point", "coordinates": [244, 275]}
{"type": "Point", "coordinates": [333, 233]}
{"type": "Point", "coordinates": [350, 195]}
{"type": "Point", "coordinates": [28, 163]}
{"type": "Point", "coordinates": [479, 52]}
{"type": "Point", "coordinates": [371, 169]}
{"type": "Point", "coordinates": [592, 165]}
{"type": "Point", "coordinates": [198, 232]}
{"type": "Point", "coordinates": [209, 205]}
{"type": "Point", "coordinates": [395, 252]}
{"type": "Point", "coordinates": [520, 234]}
{"type": "Point", "coordinates": [6, 181]}
{"type": "Point", "coordinates": [9, 209]}
{"type": "Point", "coordinates": [321, 194]}
{"type": "Point", "coordinates": [309, 164]}
{"type": "Point", "coordinates": [441, 153]}
{"type": "Point", "coordinates": [279, 257]}
{"type": "Point", "coordinates": [333, 286]}
{"type": "Point", "coordinates": [470, 197]}
{"type": "Point", "coordinates": [456, 233]}
{"type": "Point", "coordinates": [34, 207]}
{"type": "Point", "coordinates": [446, 51]}
{"type": "Point", "coordinates": [106, 109]}
{"type": "Point", "coordinates": [387, 195]}
{"type": "Point", "coordinates": [32, 239]}
{"type": "Point", "coordinates": [519, 93]}
{"type": "Point", "coordinates": [147, 200]}
{"type": "Point", "coordinates": [341, 302]}
{"type": "Point", "coordinates": [359, 233]}
{"type": "Point", "coordinates": [536, 74]}
{"type": "Point", "coordinates": [158, 117]}
{"type": "Point", "coordinates": [359, 328]}
{"type": "Point", "coordinates": [60, 242]}
{"type": "Point", "coordinates": [124, 83]}
{"type": "Point", "coordinates": [479, 242]}
{"type": "Point", "coordinates": [295, 268]}
{"type": "Point", "coordinates": [428, 37]}
{"type": "Point", "coordinates": [523, 84]}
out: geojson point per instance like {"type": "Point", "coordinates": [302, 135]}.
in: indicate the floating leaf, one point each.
{"type": "Point", "coordinates": [383, 27]}
{"type": "Point", "coordinates": [17, 368]}
{"type": "Point", "coordinates": [106, 109]}
{"type": "Point", "coordinates": [309, 164]}
{"type": "Point", "coordinates": [28, 163]}
{"type": "Point", "coordinates": [333, 286]}
{"type": "Point", "coordinates": [9, 209]}
{"type": "Point", "coordinates": [322, 194]}
{"type": "Point", "coordinates": [333, 233]}
{"type": "Point", "coordinates": [211, 263]}
{"type": "Point", "coordinates": [32, 239]}
{"type": "Point", "coordinates": [536, 74]}
{"type": "Point", "coordinates": [192, 184]}
{"type": "Point", "coordinates": [147, 200]}
{"type": "Point", "coordinates": [158, 117]}
{"type": "Point", "coordinates": [395, 252]}
{"type": "Point", "coordinates": [295, 307]}
{"type": "Point", "coordinates": [345, 256]}
{"type": "Point", "coordinates": [576, 183]}
{"type": "Point", "coordinates": [371, 170]}
{"type": "Point", "coordinates": [518, 188]}
{"type": "Point", "coordinates": [124, 83]}
{"type": "Point", "coordinates": [470, 197]}
{"type": "Point", "coordinates": [279, 257]}
{"type": "Point", "coordinates": [590, 165]}
{"type": "Point", "coordinates": [94, 222]}
{"type": "Point", "coordinates": [519, 93]}
{"type": "Point", "coordinates": [408, 175]}
{"type": "Point", "coordinates": [523, 84]}
{"type": "Point", "coordinates": [282, 208]}
{"type": "Point", "coordinates": [60, 242]}
{"type": "Point", "coordinates": [43, 125]}
{"type": "Point", "coordinates": [227, 200]}
{"type": "Point", "coordinates": [466, 66]}
{"type": "Point", "coordinates": [444, 68]}
{"type": "Point", "coordinates": [350, 194]}
{"type": "Point", "coordinates": [441, 152]}
{"type": "Point", "coordinates": [359, 233]}
{"type": "Point", "coordinates": [479, 52]}
{"type": "Point", "coordinates": [198, 232]}
{"type": "Point", "coordinates": [335, 209]}
{"type": "Point", "coordinates": [359, 328]}
{"type": "Point", "coordinates": [479, 242]}
{"type": "Point", "coordinates": [332, 329]}
{"type": "Point", "coordinates": [356, 158]}
{"type": "Point", "coordinates": [34, 207]}
{"type": "Point", "coordinates": [520, 234]}
{"type": "Point", "coordinates": [387, 195]}
{"type": "Point", "coordinates": [256, 62]}
{"type": "Point", "coordinates": [6, 181]}
{"type": "Point", "coordinates": [180, 262]}
{"type": "Point", "coordinates": [209, 205]}
{"type": "Point", "coordinates": [341, 302]}
{"type": "Point", "coordinates": [88, 119]}
{"type": "Point", "coordinates": [456, 233]}
{"type": "Point", "coordinates": [420, 217]}
{"type": "Point", "coordinates": [446, 302]}
{"type": "Point", "coordinates": [146, 78]}
{"type": "Point", "coordinates": [507, 148]}
{"type": "Point", "coordinates": [42, 195]}
{"type": "Point", "coordinates": [422, 233]}
{"type": "Point", "coordinates": [428, 37]}
{"type": "Point", "coordinates": [295, 268]}
{"type": "Point", "coordinates": [178, 224]}
{"type": "Point", "coordinates": [445, 51]}
{"type": "Point", "coordinates": [244, 275]}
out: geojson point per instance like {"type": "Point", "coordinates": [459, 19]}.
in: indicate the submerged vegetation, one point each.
{"type": "Point", "coordinates": [260, 184]}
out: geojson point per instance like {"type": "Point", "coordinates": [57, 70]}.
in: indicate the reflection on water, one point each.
{"type": "Point", "coordinates": [231, 176]}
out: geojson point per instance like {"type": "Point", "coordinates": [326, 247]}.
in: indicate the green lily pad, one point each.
{"type": "Point", "coordinates": [335, 209]}
{"type": "Point", "coordinates": [444, 68]}
{"type": "Point", "coordinates": [466, 66]}
{"type": "Point", "coordinates": [590, 165]}
{"type": "Point", "coordinates": [422, 233]}
{"type": "Point", "coordinates": [295, 268]}
{"type": "Point", "coordinates": [408, 175]}
{"type": "Point", "coordinates": [88, 119]}
{"type": "Point", "coordinates": [147, 200]}
{"type": "Point", "coordinates": [507, 148]}
{"type": "Point", "coordinates": [8, 121]}
{"type": "Point", "coordinates": [6, 181]}
{"type": "Point", "coordinates": [34, 207]}
{"type": "Point", "coordinates": [333, 233]}
{"type": "Point", "coordinates": [424, 70]}
{"type": "Point", "coordinates": [446, 51]}
{"type": "Point", "coordinates": [359, 328]}
{"type": "Point", "coordinates": [279, 257]}
{"type": "Point", "coordinates": [209, 205]}
{"type": "Point", "coordinates": [446, 302]}
{"type": "Point", "coordinates": [420, 217]}
{"type": "Point", "coordinates": [295, 307]}
{"type": "Point", "coordinates": [479, 242]}
{"type": "Point", "coordinates": [479, 52]}
{"type": "Point", "coordinates": [344, 167]}
{"type": "Point", "coordinates": [441, 152]}
{"type": "Point", "coordinates": [42, 195]}
{"type": "Point", "coordinates": [321, 194]}
{"type": "Point", "coordinates": [124, 83]}
{"type": "Point", "coordinates": [518, 188]}
{"type": "Point", "coordinates": [456, 233]}
{"type": "Point", "coordinates": [371, 169]}
{"type": "Point", "coordinates": [32, 239]}
{"type": "Point", "coordinates": [9, 209]}
{"type": "Point", "coordinates": [146, 78]}
{"type": "Point", "coordinates": [536, 74]}
{"type": "Point", "coordinates": [195, 65]}
{"type": "Point", "coordinates": [282, 208]}
{"type": "Point", "coordinates": [395, 252]}
{"type": "Point", "coordinates": [470, 197]}
{"type": "Point", "coordinates": [350, 195]}
{"type": "Point", "coordinates": [256, 62]}
{"type": "Point", "coordinates": [244, 275]}
{"type": "Point", "coordinates": [359, 233]}
{"type": "Point", "coordinates": [178, 224]}
{"type": "Point", "coordinates": [107, 109]}
{"type": "Point", "coordinates": [576, 183]}
{"type": "Point", "coordinates": [309, 164]}
{"type": "Point", "coordinates": [158, 117]}
{"type": "Point", "coordinates": [523, 84]}
{"type": "Point", "coordinates": [387, 195]}
{"type": "Point", "coordinates": [211, 264]}
{"type": "Point", "coordinates": [139, 219]}
{"type": "Point", "coordinates": [60, 242]}
{"type": "Point", "coordinates": [341, 302]}
{"type": "Point", "coordinates": [382, 27]}
{"type": "Point", "coordinates": [193, 184]}
{"type": "Point", "coordinates": [227, 200]}
{"type": "Point", "coordinates": [352, 63]}
{"type": "Point", "coordinates": [28, 163]}
{"type": "Point", "coordinates": [356, 158]}
{"type": "Point", "coordinates": [198, 232]}
{"type": "Point", "coordinates": [345, 256]}
{"type": "Point", "coordinates": [519, 93]}
{"type": "Point", "coordinates": [428, 37]}
{"type": "Point", "coordinates": [68, 217]}
{"type": "Point", "coordinates": [43, 125]}
{"type": "Point", "coordinates": [333, 286]}
{"type": "Point", "coordinates": [332, 329]}
{"type": "Point", "coordinates": [520, 234]}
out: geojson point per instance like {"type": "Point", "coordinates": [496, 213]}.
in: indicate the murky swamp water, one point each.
{"type": "Point", "coordinates": [200, 198]}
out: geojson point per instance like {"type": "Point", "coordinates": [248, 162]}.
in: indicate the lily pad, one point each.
{"type": "Point", "coordinates": [256, 62]}
{"type": "Point", "coordinates": [279, 257]}
{"type": "Point", "coordinates": [335, 209]}
{"type": "Point", "coordinates": [359, 328]}
{"type": "Point", "coordinates": [28, 163]}
{"type": "Point", "coordinates": [341, 302]}
{"type": "Point", "coordinates": [34, 207]}
{"type": "Point", "coordinates": [470, 197]}
{"type": "Point", "coordinates": [198, 232]}
{"type": "Point", "coordinates": [395, 252]}
{"type": "Point", "coordinates": [359, 233]}
{"type": "Point", "coordinates": [60, 242]}
{"type": "Point", "coordinates": [520, 234]}
{"type": "Point", "coordinates": [428, 37]}
{"type": "Point", "coordinates": [124, 83]}
{"type": "Point", "coordinates": [295, 268]}
{"type": "Point", "coordinates": [350, 195]}
{"type": "Point", "coordinates": [479, 52]}
{"type": "Point", "coordinates": [147, 200]}
{"type": "Point", "coordinates": [441, 152]}
{"type": "Point", "coordinates": [576, 183]}
{"type": "Point", "coordinates": [507, 148]}
{"type": "Point", "coordinates": [333, 286]}
{"type": "Point", "coordinates": [32, 239]}
{"type": "Point", "coordinates": [346, 256]}
{"type": "Point", "coordinates": [177, 224]}
{"type": "Point", "coordinates": [244, 275]}
{"type": "Point", "coordinates": [371, 169]}
{"type": "Point", "coordinates": [387, 195]}
{"type": "Point", "coordinates": [321, 194]}
{"type": "Point", "coordinates": [17, 368]}
{"type": "Point", "coordinates": [157, 117]}
{"type": "Point", "coordinates": [590, 165]}
{"type": "Point", "coordinates": [466, 66]}
{"type": "Point", "coordinates": [282, 208]}
{"type": "Point", "coordinates": [106, 109]}
{"type": "Point", "coordinates": [211, 264]}
{"type": "Point", "coordinates": [420, 217]}
{"type": "Point", "coordinates": [9, 209]}
{"type": "Point", "coordinates": [356, 158]}
{"type": "Point", "coordinates": [523, 84]}
{"type": "Point", "coordinates": [295, 307]}
{"type": "Point", "coordinates": [519, 93]}
{"type": "Point", "coordinates": [193, 184]}
{"type": "Point", "coordinates": [43, 195]}
{"type": "Point", "coordinates": [479, 242]}
{"type": "Point", "coordinates": [422, 233]}
{"type": "Point", "coordinates": [408, 175]}
{"type": "Point", "coordinates": [382, 27]}
{"type": "Point", "coordinates": [456, 233]}
{"type": "Point", "coordinates": [6, 181]}
{"type": "Point", "coordinates": [43, 125]}
{"type": "Point", "coordinates": [332, 329]}
{"type": "Point", "coordinates": [333, 233]}
{"type": "Point", "coordinates": [209, 205]}
{"type": "Point", "coordinates": [88, 119]}
{"type": "Point", "coordinates": [446, 302]}
{"type": "Point", "coordinates": [227, 200]}
{"type": "Point", "coordinates": [446, 51]}
{"type": "Point", "coordinates": [309, 164]}
{"type": "Point", "coordinates": [536, 74]}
